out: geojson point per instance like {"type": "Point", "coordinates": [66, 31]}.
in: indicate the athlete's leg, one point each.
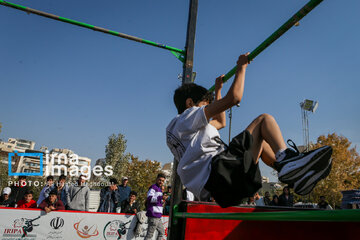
{"type": "Point", "coordinates": [267, 154]}
{"type": "Point", "coordinates": [266, 134]}
{"type": "Point", "coordinates": [303, 170]}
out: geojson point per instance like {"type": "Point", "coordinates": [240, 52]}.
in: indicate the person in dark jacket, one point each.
{"type": "Point", "coordinates": [18, 190]}
{"type": "Point", "coordinates": [109, 197]}
{"type": "Point", "coordinates": [167, 200]}
{"type": "Point", "coordinates": [5, 200]}
{"type": "Point", "coordinates": [286, 199]}
{"type": "Point", "coordinates": [130, 205]}
{"type": "Point", "coordinates": [267, 200]}
{"type": "Point", "coordinates": [123, 190]}
{"type": "Point", "coordinates": [275, 201]}
{"type": "Point", "coordinates": [62, 189]}
{"type": "Point", "coordinates": [47, 188]}
{"type": "Point", "coordinates": [51, 203]}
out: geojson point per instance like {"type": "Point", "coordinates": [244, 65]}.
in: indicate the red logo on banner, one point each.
{"type": "Point", "coordinates": [85, 231]}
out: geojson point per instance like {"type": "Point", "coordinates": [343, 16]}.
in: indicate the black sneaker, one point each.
{"type": "Point", "coordinates": [289, 154]}
{"type": "Point", "coordinates": [294, 168]}
{"type": "Point", "coordinates": [306, 184]}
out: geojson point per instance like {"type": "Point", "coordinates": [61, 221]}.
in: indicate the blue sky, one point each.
{"type": "Point", "coordinates": [68, 87]}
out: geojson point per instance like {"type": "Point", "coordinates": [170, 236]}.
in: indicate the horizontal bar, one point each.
{"type": "Point", "coordinates": [273, 37]}
{"type": "Point", "coordinates": [92, 27]}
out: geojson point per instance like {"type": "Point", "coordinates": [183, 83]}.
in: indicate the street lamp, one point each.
{"type": "Point", "coordinates": [306, 107]}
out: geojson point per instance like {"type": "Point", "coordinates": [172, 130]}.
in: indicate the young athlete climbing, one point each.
{"type": "Point", "coordinates": [208, 167]}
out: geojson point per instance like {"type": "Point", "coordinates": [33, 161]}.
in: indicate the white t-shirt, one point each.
{"type": "Point", "coordinates": [193, 142]}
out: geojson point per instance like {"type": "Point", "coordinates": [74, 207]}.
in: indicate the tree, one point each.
{"type": "Point", "coordinates": [115, 154]}
{"type": "Point", "coordinates": [142, 175]}
{"type": "Point", "coordinates": [95, 181]}
{"type": "Point", "coordinates": [33, 187]}
{"type": "Point", "coordinates": [345, 172]}
{"type": "Point", "coordinates": [4, 177]}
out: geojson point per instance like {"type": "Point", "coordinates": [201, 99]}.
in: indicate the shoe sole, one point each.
{"type": "Point", "coordinates": [295, 169]}
{"type": "Point", "coordinates": [309, 181]}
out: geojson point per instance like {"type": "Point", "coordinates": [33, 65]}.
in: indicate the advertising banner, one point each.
{"type": "Point", "coordinates": [23, 224]}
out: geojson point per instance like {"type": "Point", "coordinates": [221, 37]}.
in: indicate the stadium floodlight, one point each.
{"type": "Point", "coordinates": [309, 105]}
{"type": "Point", "coordinates": [306, 107]}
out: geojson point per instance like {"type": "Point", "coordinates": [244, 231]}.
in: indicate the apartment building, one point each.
{"type": "Point", "coordinates": [16, 144]}
{"type": "Point", "coordinates": [31, 164]}
{"type": "Point", "coordinates": [12, 145]}
{"type": "Point", "coordinates": [61, 160]}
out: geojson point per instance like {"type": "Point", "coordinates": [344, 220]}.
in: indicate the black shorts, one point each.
{"type": "Point", "coordinates": [234, 175]}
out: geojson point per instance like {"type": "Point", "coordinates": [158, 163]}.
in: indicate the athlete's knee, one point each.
{"type": "Point", "coordinates": [265, 116]}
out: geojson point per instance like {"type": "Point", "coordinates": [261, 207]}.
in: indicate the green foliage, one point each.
{"type": "Point", "coordinates": [4, 177]}
{"type": "Point", "coordinates": [142, 174]}
{"type": "Point", "coordinates": [115, 154]}
{"type": "Point", "coordinates": [345, 172]}
{"type": "Point", "coordinates": [36, 189]}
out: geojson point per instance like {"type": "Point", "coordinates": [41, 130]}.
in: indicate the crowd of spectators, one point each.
{"type": "Point", "coordinates": [119, 198]}
{"type": "Point", "coordinates": [53, 196]}
{"type": "Point", "coordinates": [114, 198]}
{"type": "Point", "coordinates": [286, 199]}
{"type": "Point", "coordinates": [62, 196]}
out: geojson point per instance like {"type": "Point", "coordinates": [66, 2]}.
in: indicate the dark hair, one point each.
{"type": "Point", "coordinates": [22, 177]}
{"type": "Point", "coordinates": [53, 192]}
{"type": "Point", "coordinates": [29, 192]}
{"type": "Point", "coordinates": [49, 178]}
{"type": "Point", "coordinates": [62, 177]}
{"type": "Point", "coordinates": [190, 90]}
{"type": "Point", "coordinates": [161, 175]}
{"type": "Point", "coordinates": [133, 193]}
{"type": "Point", "coordinates": [113, 181]}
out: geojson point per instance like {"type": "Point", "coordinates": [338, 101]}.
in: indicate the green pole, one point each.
{"type": "Point", "coordinates": [92, 27]}
{"type": "Point", "coordinates": [278, 33]}
{"type": "Point", "coordinates": [349, 215]}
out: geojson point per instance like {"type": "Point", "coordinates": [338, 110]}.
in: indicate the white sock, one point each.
{"type": "Point", "coordinates": [280, 155]}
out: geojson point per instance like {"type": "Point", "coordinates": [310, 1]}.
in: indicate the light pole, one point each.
{"type": "Point", "coordinates": [306, 107]}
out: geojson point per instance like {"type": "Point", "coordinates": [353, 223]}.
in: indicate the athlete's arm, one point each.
{"type": "Point", "coordinates": [219, 120]}
{"type": "Point", "coordinates": [235, 93]}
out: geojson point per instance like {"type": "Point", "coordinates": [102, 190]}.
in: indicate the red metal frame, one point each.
{"type": "Point", "coordinates": [270, 230]}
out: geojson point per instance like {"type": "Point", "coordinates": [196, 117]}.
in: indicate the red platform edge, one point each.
{"type": "Point", "coordinates": [270, 230]}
